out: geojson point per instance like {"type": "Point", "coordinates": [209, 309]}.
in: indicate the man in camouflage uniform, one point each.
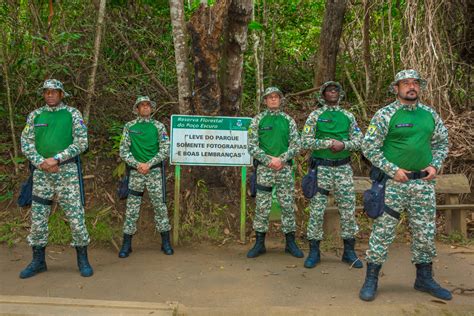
{"type": "Point", "coordinates": [144, 147]}
{"type": "Point", "coordinates": [407, 141]}
{"type": "Point", "coordinates": [332, 133]}
{"type": "Point", "coordinates": [273, 141]}
{"type": "Point", "coordinates": [53, 137]}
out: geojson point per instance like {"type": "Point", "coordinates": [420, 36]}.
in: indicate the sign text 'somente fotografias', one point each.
{"type": "Point", "coordinates": [209, 140]}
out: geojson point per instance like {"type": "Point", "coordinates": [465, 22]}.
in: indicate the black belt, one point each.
{"type": "Point", "coordinates": [264, 188]}
{"type": "Point", "coordinates": [41, 201]}
{"type": "Point", "coordinates": [151, 168]}
{"type": "Point", "coordinates": [136, 193]}
{"type": "Point", "coordinates": [65, 162]}
{"type": "Point", "coordinates": [391, 212]}
{"type": "Point", "coordinates": [330, 162]}
{"type": "Point", "coordinates": [417, 175]}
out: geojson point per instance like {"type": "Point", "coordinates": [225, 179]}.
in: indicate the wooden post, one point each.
{"type": "Point", "coordinates": [455, 221]}
{"type": "Point", "coordinates": [331, 220]}
{"type": "Point", "coordinates": [177, 189]}
{"type": "Point", "coordinates": [243, 194]}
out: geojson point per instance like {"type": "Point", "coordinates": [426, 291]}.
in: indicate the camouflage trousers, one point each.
{"type": "Point", "coordinates": [65, 184]}
{"type": "Point", "coordinates": [418, 198]}
{"type": "Point", "coordinates": [285, 186]}
{"type": "Point", "coordinates": [340, 181]}
{"type": "Point", "coordinates": [138, 182]}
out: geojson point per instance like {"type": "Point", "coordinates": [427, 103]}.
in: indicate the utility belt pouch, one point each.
{"type": "Point", "coordinates": [374, 198]}
{"type": "Point", "coordinates": [309, 183]}
{"type": "Point", "coordinates": [253, 179]}
{"type": "Point", "coordinates": [123, 190]}
{"type": "Point", "coordinates": [26, 189]}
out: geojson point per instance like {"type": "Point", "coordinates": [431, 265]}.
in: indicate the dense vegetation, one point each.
{"type": "Point", "coordinates": [56, 40]}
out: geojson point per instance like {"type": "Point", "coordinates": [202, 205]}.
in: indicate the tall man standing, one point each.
{"type": "Point", "coordinates": [407, 141]}
{"type": "Point", "coordinates": [54, 136]}
{"type": "Point", "coordinates": [273, 141]}
{"type": "Point", "coordinates": [144, 147]}
{"type": "Point", "coordinates": [332, 133]}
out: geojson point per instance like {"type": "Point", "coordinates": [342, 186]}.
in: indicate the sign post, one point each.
{"type": "Point", "coordinates": [209, 141]}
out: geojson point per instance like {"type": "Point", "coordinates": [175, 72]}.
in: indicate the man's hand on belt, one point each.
{"type": "Point", "coordinates": [401, 175]}
{"type": "Point", "coordinates": [143, 168]}
{"type": "Point", "coordinates": [276, 164]}
{"type": "Point", "coordinates": [431, 173]}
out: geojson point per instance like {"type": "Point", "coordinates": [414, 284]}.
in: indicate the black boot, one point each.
{"type": "Point", "coordinates": [165, 244]}
{"type": "Point", "coordinates": [291, 247]}
{"type": "Point", "coordinates": [424, 282]}
{"type": "Point", "coordinates": [314, 256]}
{"type": "Point", "coordinates": [126, 246]}
{"type": "Point", "coordinates": [349, 256]}
{"type": "Point", "coordinates": [369, 289]}
{"type": "Point", "coordinates": [259, 247]}
{"type": "Point", "coordinates": [82, 262]}
{"type": "Point", "coordinates": [37, 265]}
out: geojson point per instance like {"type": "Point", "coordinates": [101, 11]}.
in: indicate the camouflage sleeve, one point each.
{"type": "Point", "coordinates": [308, 140]}
{"type": "Point", "coordinates": [164, 145]}
{"type": "Point", "coordinates": [373, 142]}
{"type": "Point", "coordinates": [125, 152]}
{"type": "Point", "coordinates": [252, 142]}
{"type": "Point", "coordinates": [355, 135]}
{"type": "Point", "coordinates": [295, 142]}
{"type": "Point", "coordinates": [79, 135]}
{"type": "Point", "coordinates": [439, 142]}
{"type": "Point", "coordinates": [28, 141]}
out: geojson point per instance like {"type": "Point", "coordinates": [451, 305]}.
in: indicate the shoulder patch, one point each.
{"type": "Point", "coordinates": [307, 129]}
{"type": "Point", "coordinates": [164, 136]}
{"type": "Point", "coordinates": [27, 128]}
{"type": "Point", "coordinates": [82, 124]}
{"type": "Point", "coordinates": [371, 129]}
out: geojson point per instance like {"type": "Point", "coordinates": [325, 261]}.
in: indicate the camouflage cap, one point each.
{"type": "Point", "coordinates": [52, 84]}
{"type": "Point", "coordinates": [407, 74]}
{"type": "Point", "coordinates": [144, 98]}
{"type": "Point", "coordinates": [271, 90]}
{"type": "Point", "coordinates": [327, 84]}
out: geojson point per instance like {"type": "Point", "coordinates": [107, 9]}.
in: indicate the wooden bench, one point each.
{"type": "Point", "coordinates": [451, 185]}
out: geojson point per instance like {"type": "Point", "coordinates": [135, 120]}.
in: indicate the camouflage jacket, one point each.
{"type": "Point", "coordinates": [163, 141]}
{"type": "Point", "coordinates": [253, 138]}
{"type": "Point", "coordinates": [79, 131]}
{"type": "Point", "coordinates": [309, 141]}
{"type": "Point", "coordinates": [378, 129]}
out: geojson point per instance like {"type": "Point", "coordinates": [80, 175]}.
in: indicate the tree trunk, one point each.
{"type": "Point", "coordinates": [329, 41]}
{"type": "Point", "coordinates": [240, 12]}
{"type": "Point", "coordinates": [366, 45]}
{"type": "Point", "coordinates": [98, 38]}
{"type": "Point", "coordinates": [258, 44]}
{"type": "Point", "coordinates": [206, 29]}
{"type": "Point", "coordinates": [5, 63]}
{"type": "Point", "coordinates": [181, 51]}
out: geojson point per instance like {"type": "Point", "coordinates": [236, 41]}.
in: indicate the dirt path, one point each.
{"type": "Point", "coordinates": [205, 277]}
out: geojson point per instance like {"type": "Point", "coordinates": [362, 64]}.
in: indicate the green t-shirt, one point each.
{"type": "Point", "coordinates": [408, 141]}
{"type": "Point", "coordinates": [332, 125]}
{"type": "Point", "coordinates": [53, 132]}
{"type": "Point", "coordinates": [274, 134]}
{"type": "Point", "coordinates": [144, 141]}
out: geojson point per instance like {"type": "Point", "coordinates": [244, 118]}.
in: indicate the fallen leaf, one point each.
{"type": "Point", "coordinates": [291, 266]}
{"type": "Point", "coordinates": [226, 231]}
{"type": "Point", "coordinates": [438, 301]}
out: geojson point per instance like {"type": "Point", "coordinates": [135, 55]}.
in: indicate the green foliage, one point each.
{"type": "Point", "coordinates": [99, 225]}
{"type": "Point", "coordinates": [11, 232]}
{"type": "Point", "coordinates": [204, 219]}
{"type": "Point", "coordinates": [456, 238]}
